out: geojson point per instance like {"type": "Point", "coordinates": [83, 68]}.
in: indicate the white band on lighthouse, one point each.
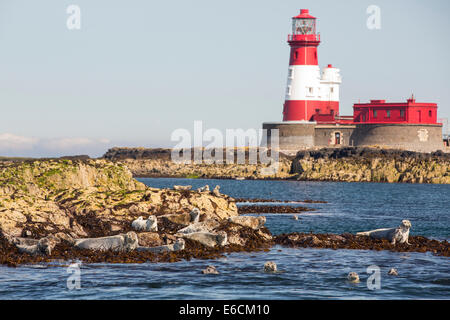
{"type": "Point", "coordinates": [305, 83]}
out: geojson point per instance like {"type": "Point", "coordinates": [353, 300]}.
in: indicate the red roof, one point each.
{"type": "Point", "coordinates": [304, 14]}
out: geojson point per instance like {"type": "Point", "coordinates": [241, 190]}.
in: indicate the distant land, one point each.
{"type": "Point", "coordinates": [349, 164]}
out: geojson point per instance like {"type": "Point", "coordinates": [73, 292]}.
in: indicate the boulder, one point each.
{"type": "Point", "coordinates": [149, 239]}
{"type": "Point", "coordinates": [183, 219]}
{"type": "Point", "coordinates": [207, 238]}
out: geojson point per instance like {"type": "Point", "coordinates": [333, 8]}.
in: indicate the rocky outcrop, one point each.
{"type": "Point", "coordinates": [350, 164]}
{"type": "Point", "coordinates": [372, 165]}
{"type": "Point", "coordinates": [89, 198]}
{"type": "Point", "coordinates": [95, 211]}
{"type": "Point", "coordinates": [157, 163]}
{"type": "Point", "coordinates": [351, 241]}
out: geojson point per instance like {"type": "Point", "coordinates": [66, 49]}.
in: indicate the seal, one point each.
{"type": "Point", "coordinates": [150, 224]}
{"type": "Point", "coordinates": [182, 187]}
{"type": "Point", "coordinates": [353, 277]}
{"type": "Point", "coordinates": [43, 246]}
{"type": "Point", "coordinates": [203, 189]}
{"type": "Point", "coordinates": [393, 272]}
{"type": "Point", "coordinates": [210, 270]}
{"type": "Point", "coordinates": [216, 191]}
{"type": "Point", "coordinates": [270, 266]}
{"type": "Point", "coordinates": [177, 246]}
{"type": "Point", "coordinates": [121, 242]}
{"type": "Point", "coordinates": [195, 215]}
{"type": "Point", "coordinates": [394, 235]}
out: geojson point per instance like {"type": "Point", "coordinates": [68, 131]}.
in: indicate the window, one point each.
{"type": "Point", "coordinates": [310, 91]}
{"type": "Point", "coordinates": [304, 26]}
{"type": "Point", "coordinates": [364, 118]}
{"type": "Point", "coordinates": [388, 113]}
{"type": "Point", "coordinates": [374, 113]}
{"type": "Point", "coordinates": [430, 113]}
{"type": "Point", "coordinates": [296, 55]}
{"type": "Point", "coordinates": [331, 89]}
{"type": "Point", "coordinates": [288, 91]}
{"type": "Point", "coordinates": [402, 113]}
{"type": "Point", "coordinates": [317, 110]}
{"type": "Point", "coordinates": [291, 73]}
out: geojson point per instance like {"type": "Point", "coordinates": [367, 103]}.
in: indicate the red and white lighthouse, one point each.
{"type": "Point", "coordinates": [308, 93]}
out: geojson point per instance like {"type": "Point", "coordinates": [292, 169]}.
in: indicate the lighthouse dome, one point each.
{"type": "Point", "coordinates": [304, 14]}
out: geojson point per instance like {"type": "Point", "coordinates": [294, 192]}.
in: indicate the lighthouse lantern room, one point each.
{"type": "Point", "coordinates": [308, 93]}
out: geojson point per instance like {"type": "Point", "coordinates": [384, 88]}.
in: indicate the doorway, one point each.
{"type": "Point", "coordinates": [337, 138]}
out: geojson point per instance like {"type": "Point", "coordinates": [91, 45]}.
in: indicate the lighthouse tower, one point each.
{"type": "Point", "coordinates": [308, 93]}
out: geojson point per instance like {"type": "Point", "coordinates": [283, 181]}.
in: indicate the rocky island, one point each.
{"type": "Point", "coordinates": [93, 210]}
{"type": "Point", "coordinates": [349, 164]}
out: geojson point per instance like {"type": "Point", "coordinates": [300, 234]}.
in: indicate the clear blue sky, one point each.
{"type": "Point", "coordinates": [139, 69]}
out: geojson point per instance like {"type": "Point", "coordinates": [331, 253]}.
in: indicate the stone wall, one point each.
{"type": "Point", "coordinates": [414, 137]}
{"type": "Point", "coordinates": [293, 136]}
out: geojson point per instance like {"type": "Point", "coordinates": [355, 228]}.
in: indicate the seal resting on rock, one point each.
{"type": "Point", "coordinates": [353, 277]}
{"type": "Point", "coordinates": [195, 215]}
{"type": "Point", "coordinates": [216, 191]}
{"type": "Point", "coordinates": [150, 224]}
{"type": "Point", "coordinates": [182, 187]}
{"type": "Point", "coordinates": [203, 189]}
{"type": "Point", "coordinates": [121, 242]}
{"type": "Point", "coordinates": [255, 223]}
{"type": "Point", "coordinates": [204, 226]}
{"type": "Point", "coordinates": [33, 246]}
{"type": "Point", "coordinates": [177, 246]}
{"type": "Point", "coordinates": [394, 235]}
